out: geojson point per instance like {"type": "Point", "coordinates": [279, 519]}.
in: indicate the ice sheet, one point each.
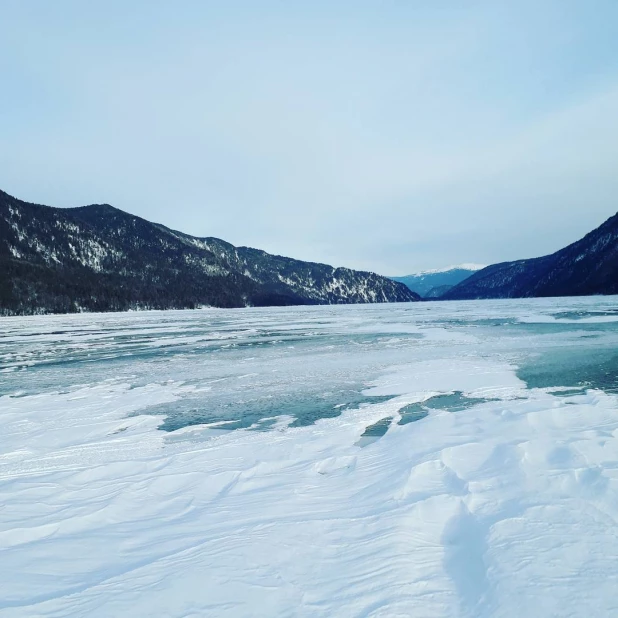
{"type": "Point", "coordinates": [505, 508]}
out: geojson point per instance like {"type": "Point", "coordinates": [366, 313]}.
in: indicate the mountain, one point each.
{"type": "Point", "coordinates": [423, 283]}
{"type": "Point", "coordinates": [588, 266]}
{"type": "Point", "coordinates": [438, 292]}
{"type": "Point", "coordinates": [99, 258]}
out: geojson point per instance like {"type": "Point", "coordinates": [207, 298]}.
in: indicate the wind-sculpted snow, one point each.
{"type": "Point", "coordinates": [486, 484]}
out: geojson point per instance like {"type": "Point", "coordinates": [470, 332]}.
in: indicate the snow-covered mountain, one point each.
{"type": "Point", "coordinates": [434, 283]}
{"type": "Point", "coordinates": [99, 258]}
{"type": "Point", "coordinates": [588, 266]}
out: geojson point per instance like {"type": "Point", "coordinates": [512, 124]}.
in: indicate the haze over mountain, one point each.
{"type": "Point", "coordinates": [99, 258]}
{"type": "Point", "coordinates": [588, 266]}
{"type": "Point", "coordinates": [435, 283]}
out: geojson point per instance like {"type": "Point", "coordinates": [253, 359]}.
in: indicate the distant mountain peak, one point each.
{"type": "Point", "coordinates": [434, 283]}
{"type": "Point", "coordinates": [468, 266]}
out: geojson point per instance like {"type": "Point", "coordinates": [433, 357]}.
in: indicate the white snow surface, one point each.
{"type": "Point", "coordinates": [505, 509]}
{"type": "Point", "coordinates": [468, 266]}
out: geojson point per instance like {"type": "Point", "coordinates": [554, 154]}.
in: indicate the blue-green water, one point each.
{"type": "Point", "coordinates": [248, 367]}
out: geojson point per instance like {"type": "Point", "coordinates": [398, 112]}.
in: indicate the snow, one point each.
{"type": "Point", "coordinates": [14, 252]}
{"type": "Point", "coordinates": [446, 269]}
{"type": "Point", "coordinates": [506, 508]}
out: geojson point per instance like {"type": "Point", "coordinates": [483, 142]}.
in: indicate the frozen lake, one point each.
{"type": "Point", "coordinates": [426, 459]}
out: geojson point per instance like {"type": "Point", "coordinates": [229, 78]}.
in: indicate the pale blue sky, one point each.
{"type": "Point", "coordinates": [388, 135]}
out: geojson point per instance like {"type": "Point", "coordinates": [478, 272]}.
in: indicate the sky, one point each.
{"type": "Point", "coordinates": [391, 136]}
